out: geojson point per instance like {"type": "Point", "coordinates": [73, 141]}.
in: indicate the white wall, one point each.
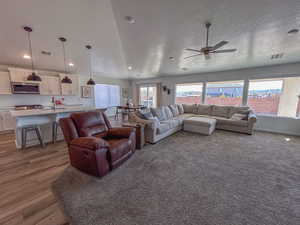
{"type": "Point", "coordinates": [266, 123]}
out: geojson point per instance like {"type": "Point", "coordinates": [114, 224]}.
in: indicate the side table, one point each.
{"type": "Point", "coordinates": [140, 135]}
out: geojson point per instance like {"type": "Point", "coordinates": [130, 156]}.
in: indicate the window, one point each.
{"type": "Point", "coordinates": [224, 93]}
{"type": "Point", "coordinates": [106, 95]}
{"type": "Point", "coordinates": [148, 96]}
{"type": "Point", "coordinates": [278, 97]}
{"type": "Point", "coordinates": [189, 93]}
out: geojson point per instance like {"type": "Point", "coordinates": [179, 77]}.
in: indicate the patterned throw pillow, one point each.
{"type": "Point", "coordinates": [168, 112]}
{"type": "Point", "coordinates": [180, 109]}
{"type": "Point", "coordinates": [174, 110]}
{"type": "Point", "coordinates": [238, 116]}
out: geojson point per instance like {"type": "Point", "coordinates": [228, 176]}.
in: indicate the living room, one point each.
{"type": "Point", "coordinates": [149, 112]}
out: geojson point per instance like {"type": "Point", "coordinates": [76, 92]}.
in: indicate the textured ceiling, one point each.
{"type": "Point", "coordinates": [162, 28]}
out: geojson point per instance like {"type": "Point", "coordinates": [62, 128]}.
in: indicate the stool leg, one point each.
{"type": "Point", "coordinates": [54, 132]}
{"type": "Point", "coordinates": [24, 137]}
{"type": "Point", "coordinates": [38, 133]}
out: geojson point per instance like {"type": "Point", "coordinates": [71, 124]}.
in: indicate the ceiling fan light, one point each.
{"type": "Point", "coordinates": [91, 82]}
{"type": "Point", "coordinates": [66, 80]}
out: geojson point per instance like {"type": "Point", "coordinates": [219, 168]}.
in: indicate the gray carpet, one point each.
{"type": "Point", "coordinates": [223, 179]}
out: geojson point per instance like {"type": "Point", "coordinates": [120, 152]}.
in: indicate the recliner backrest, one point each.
{"type": "Point", "coordinates": [90, 123]}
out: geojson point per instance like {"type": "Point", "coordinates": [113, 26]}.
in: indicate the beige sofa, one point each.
{"type": "Point", "coordinates": [170, 119]}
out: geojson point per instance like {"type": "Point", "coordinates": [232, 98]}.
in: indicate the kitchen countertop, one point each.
{"type": "Point", "coordinates": [39, 112]}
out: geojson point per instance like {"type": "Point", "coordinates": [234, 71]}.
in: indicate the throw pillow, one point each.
{"type": "Point", "coordinates": [155, 121]}
{"type": "Point", "coordinates": [147, 115]}
{"type": "Point", "coordinates": [180, 109]}
{"type": "Point", "coordinates": [174, 110]}
{"type": "Point", "coordinates": [159, 113]}
{"type": "Point", "coordinates": [168, 112]}
{"type": "Point", "coordinates": [238, 109]}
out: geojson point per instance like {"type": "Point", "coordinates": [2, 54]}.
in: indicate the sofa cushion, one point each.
{"type": "Point", "coordinates": [230, 122]}
{"type": "Point", "coordinates": [239, 109]}
{"type": "Point", "coordinates": [189, 108]}
{"type": "Point", "coordinates": [156, 121]}
{"type": "Point", "coordinates": [174, 110]}
{"type": "Point", "coordinates": [204, 109]}
{"type": "Point", "coordinates": [222, 111]}
{"type": "Point", "coordinates": [180, 109]}
{"type": "Point", "coordinates": [168, 112]}
{"type": "Point", "coordinates": [239, 116]}
{"type": "Point", "coordinates": [174, 122]}
{"type": "Point", "coordinates": [159, 113]}
{"type": "Point", "coordinates": [163, 127]}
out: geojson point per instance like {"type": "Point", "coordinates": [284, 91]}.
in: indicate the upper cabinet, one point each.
{"type": "Point", "coordinates": [5, 88]}
{"type": "Point", "coordinates": [70, 89]}
{"type": "Point", "coordinates": [50, 85]}
{"type": "Point", "coordinates": [20, 75]}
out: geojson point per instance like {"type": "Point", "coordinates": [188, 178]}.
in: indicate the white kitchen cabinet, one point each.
{"type": "Point", "coordinates": [20, 75]}
{"type": "Point", "coordinates": [50, 85]}
{"type": "Point", "coordinates": [70, 89]}
{"type": "Point", "coordinates": [5, 88]}
{"type": "Point", "coordinates": [6, 121]}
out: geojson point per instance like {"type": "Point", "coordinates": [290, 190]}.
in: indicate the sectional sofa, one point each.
{"type": "Point", "coordinates": [166, 120]}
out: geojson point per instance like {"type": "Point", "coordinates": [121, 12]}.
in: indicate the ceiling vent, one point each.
{"type": "Point", "coordinates": [46, 53]}
{"type": "Point", "coordinates": [277, 56]}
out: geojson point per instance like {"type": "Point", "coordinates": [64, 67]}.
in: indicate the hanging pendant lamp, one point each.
{"type": "Point", "coordinates": [33, 76]}
{"type": "Point", "coordinates": [90, 81]}
{"type": "Point", "coordinates": [66, 79]}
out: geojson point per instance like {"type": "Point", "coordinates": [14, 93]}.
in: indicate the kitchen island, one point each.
{"type": "Point", "coordinates": [51, 115]}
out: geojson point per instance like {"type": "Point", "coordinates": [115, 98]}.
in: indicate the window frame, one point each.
{"type": "Point", "coordinates": [187, 83]}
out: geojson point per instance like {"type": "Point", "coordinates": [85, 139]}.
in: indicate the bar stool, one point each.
{"type": "Point", "coordinates": [32, 123]}
{"type": "Point", "coordinates": [55, 124]}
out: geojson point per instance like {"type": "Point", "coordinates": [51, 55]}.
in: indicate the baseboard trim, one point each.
{"type": "Point", "coordinates": [278, 132]}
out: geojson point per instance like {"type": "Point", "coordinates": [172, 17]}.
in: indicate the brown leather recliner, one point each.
{"type": "Point", "coordinates": [94, 146]}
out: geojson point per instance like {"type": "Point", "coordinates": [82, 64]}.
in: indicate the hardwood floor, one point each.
{"type": "Point", "coordinates": [25, 181]}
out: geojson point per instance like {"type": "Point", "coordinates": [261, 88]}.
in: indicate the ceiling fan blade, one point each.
{"type": "Point", "coordinates": [207, 56]}
{"type": "Point", "coordinates": [225, 50]}
{"type": "Point", "coordinates": [193, 50]}
{"type": "Point", "coordinates": [219, 45]}
{"type": "Point", "coordinates": [192, 56]}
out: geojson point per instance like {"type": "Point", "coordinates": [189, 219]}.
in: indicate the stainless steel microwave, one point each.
{"type": "Point", "coordinates": [25, 88]}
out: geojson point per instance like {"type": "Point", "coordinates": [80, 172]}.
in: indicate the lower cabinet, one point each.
{"type": "Point", "coordinates": [6, 121]}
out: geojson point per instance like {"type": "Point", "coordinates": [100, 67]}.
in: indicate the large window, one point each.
{"type": "Point", "coordinates": [189, 93]}
{"type": "Point", "coordinates": [224, 93]}
{"type": "Point", "coordinates": [148, 96]}
{"type": "Point", "coordinates": [106, 95]}
{"type": "Point", "coordinates": [278, 97]}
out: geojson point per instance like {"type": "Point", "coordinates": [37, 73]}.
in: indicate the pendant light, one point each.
{"type": "Point", "coordinates": [90, 81]}
{"type": "Point", "coordinates": [66, 79]}
{"type": "Point", "coordinates": [33, 76]}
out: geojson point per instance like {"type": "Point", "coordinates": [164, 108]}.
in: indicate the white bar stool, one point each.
{"type": "Point", "coordinates": [32, 123]}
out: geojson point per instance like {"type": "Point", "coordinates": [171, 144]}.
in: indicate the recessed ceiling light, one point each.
{"type": "Point", "coordinates": [184, 69]}
{"type": "Point", "coordinates": [293, 31]}
{"type": "Point", "coordinates": [171, 58]}
{"type": "Point", "coordinates": [26, 56]}
{"type": "Point", "coordinates": [129, 19]}
{"type": "Point", "coordinates": [71, 64]}
{"type": "Point", "coordinates": [129, 67]}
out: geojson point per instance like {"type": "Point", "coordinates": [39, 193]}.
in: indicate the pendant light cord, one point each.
{"type": "Point", "coordinates": [30, 49]}
{"type": "Point", "coordinates": [90, 56]}
{"type": "Point", "coordinates": [64, 50]}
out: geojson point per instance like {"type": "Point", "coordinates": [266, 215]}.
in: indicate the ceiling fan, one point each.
{"type": "Point", "coordinates": [207, 50]}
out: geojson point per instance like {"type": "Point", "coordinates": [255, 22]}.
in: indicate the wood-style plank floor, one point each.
{"type": "Point", "coordinates": [25, 183]}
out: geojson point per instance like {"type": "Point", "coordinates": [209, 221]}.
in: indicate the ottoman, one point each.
{"type": "Point", "coordinates": [202, 125]}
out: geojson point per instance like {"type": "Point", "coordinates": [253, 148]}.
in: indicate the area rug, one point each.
{"type": "Point", "coordinates": [190, 179]}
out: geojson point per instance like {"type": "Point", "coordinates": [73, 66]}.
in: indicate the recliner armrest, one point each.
{"type": "Point", "coordinates": [120, 132]}
{"type": "Point", "coordinates": [91, 143]}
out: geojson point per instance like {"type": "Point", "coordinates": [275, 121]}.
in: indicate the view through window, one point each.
{"type": "Point", "coordinates": [278, 97]}
{"type": "Point", "coordinates": [148, 96]}
{"type": "Point", "coordinates": [189, 93]}
{"type": "Point", "coordinates": [224, 93]}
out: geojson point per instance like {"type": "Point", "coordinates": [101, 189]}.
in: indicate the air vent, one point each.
{"type": "Point", "coordinates": [46, 53]}
{"type": "Point", "coordinates": [277, 56]}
